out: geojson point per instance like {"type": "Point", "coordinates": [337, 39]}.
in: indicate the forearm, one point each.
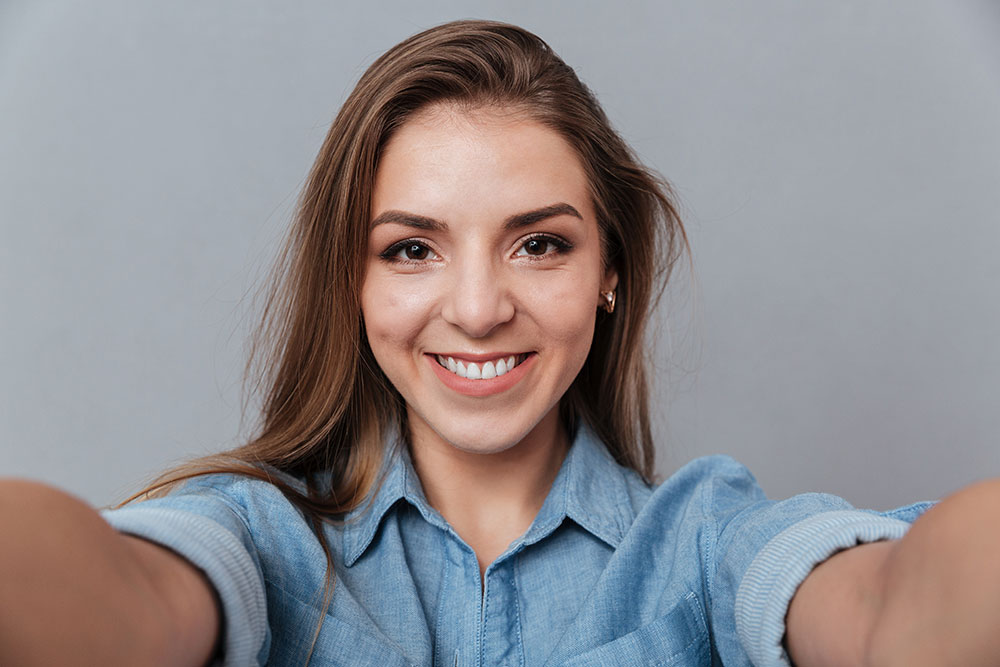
{"type": "Point", "coordinates": [72, 590]}
{"type": "Point", "coordinates": [940, 587]}
{"type": "Point", "coordinates": [930, 598]}
{"type": "Point", "coordinates": [831, 616]}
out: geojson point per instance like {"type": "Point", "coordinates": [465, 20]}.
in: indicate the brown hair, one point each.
{"type": "Point", "coordinates": [326, 404]}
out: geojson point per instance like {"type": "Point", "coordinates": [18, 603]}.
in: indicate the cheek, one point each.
{"type": "Point", "coordinates": [395, 313]}
{"type": "Point", "coordinates": [565, 309]}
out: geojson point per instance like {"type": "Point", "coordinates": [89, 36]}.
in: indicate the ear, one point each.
{"type": "Point", "coordinates": [610, 281]}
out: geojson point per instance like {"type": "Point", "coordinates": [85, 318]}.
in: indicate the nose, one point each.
{"type": "Point", "coordinates": [478, 299]}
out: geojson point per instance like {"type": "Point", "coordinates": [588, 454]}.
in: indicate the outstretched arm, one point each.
{"type": "Point", "coordinates": [931, 598]}
{"type": "Point", "coordinates": [75, 592]}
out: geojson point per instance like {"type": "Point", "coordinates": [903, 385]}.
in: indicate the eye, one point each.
{"type": "Point", "coordinates": [542, 245]}
{"type": "Point", "coordinates": [408, 251]}
{"type": "Point", "coordinates": [416, 251]}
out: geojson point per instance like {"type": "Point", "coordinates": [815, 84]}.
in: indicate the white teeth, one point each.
{"type": "Point", "coordinates": [478, 371]}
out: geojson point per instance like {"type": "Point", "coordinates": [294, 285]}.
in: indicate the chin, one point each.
{"type": "Point", "coordinates": [491, 434]}
{"type": "Point", "coordinates": [488, 440]}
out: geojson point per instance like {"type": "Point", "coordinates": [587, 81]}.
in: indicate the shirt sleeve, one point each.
{"type": "Point", "coordinates": [204, 523]}
{"type": "Point", "coordinates": [765, 549]}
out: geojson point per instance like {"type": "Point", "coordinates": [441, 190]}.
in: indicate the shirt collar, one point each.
{"type": "Point", "coordinates": [590, 488]}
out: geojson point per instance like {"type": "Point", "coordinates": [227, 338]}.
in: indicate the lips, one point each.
{"type": "Point", "coordinates": [482, 365]}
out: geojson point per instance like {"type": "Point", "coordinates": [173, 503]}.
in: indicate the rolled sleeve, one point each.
{"type": "Point", "coordinates": [782, 565]}
{"type": "Point", "coordinates": [757, 552]}
{"type": "Point", "coordinates": [211, 535]}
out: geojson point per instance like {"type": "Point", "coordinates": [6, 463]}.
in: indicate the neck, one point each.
{"type": "Point", "coordinates": [489, 499]}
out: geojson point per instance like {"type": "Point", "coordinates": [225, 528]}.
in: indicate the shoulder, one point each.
{"type": "Point", "coordinates": [708, 485]}
{"type": "Point", "coordinates": [222, 496]}
{"type": "Point", "coordinates": [250, 511]}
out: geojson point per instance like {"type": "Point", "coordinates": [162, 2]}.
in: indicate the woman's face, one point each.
{"type": "Point", "coordinates": [483, 274]}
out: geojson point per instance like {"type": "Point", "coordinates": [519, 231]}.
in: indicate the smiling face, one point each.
{"type": "Point", "coordinates": [483, 275]}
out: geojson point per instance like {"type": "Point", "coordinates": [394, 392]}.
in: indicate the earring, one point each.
{"type": "Point", "coordinates": [609, 301]}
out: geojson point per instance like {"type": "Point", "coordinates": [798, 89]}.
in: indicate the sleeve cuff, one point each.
{"type": "Point", "coordinates": [783, 564]}
{"type": "Point", "coordinates": [222, 557]}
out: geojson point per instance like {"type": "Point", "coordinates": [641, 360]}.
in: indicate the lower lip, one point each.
{"type": "Point", "coordinates": [489, 387]}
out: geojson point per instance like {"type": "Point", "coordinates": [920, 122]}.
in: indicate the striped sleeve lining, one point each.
{"type": "Point", "coordinates": [222, 557]}
{"type": "Point", "coordinates": [785, 561]}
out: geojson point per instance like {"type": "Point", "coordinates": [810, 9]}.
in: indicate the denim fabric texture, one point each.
{"type": "Point", "coordinates": [698, 570]}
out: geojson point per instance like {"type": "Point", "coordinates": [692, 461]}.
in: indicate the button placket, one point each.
{"type": "Point", "coordinates": [501, 622]}
{"type": "Point", "coordinates": [458, 629]}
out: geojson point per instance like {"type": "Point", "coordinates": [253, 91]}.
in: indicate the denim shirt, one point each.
{"type": "Point", "coordinates": [698, 570]}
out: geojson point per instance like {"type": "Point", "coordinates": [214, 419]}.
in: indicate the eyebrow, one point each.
{"type": "Point", "coordinates": [516, 221]}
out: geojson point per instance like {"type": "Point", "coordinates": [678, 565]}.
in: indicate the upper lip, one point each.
{"type": "Point", "coordinates": [477, 358]}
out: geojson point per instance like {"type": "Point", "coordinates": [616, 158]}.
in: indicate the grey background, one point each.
{"type": "Point", "coordinates": [837, 163]}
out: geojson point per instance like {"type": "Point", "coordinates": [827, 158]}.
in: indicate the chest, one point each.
{"type": "Point", "coordinates": [418, 597]}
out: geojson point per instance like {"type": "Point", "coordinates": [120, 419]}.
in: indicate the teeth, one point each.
{"type": "Point", "coordinates": [475, 371]}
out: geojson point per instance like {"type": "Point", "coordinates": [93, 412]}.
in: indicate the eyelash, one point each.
{"type": "Point", "coordinates": [561, 246]}
{"type": "Point", "coordinates": [391, 254]}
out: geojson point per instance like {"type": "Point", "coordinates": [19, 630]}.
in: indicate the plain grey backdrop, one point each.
{"type": "Point", "coordinates": [837, 164]}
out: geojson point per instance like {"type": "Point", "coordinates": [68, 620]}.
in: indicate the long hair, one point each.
{"type": "Point", "coordinates": [326, 405]}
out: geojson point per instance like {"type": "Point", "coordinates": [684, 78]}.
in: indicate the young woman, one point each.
{"type": "Point", "coordinates": [454, 465]}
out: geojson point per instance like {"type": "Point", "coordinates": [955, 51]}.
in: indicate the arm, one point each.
{"type": "Point", "coordinates": [74, 591]}
{"type": "Point", "coordinates": [931, 598]}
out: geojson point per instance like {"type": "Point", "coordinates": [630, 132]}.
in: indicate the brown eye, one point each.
{"type": "Point", "coordinates": [416, 251]}
{"type": "Point", "coordinates": [536, 246]}
{"type": "Point", "coordinates": [543, 246]}
{"type": "Point", "coordinates": [409, 251]}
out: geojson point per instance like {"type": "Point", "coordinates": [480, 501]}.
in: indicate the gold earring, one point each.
{"type": "Point", "coordinates": [609, 301]}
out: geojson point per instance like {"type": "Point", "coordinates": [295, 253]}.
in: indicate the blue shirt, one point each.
{"type": "Point", "coordinates": [696, 571]}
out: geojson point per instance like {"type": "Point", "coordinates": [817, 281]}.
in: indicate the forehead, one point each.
{"type": "Point", "coordinates": [492, 161]}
